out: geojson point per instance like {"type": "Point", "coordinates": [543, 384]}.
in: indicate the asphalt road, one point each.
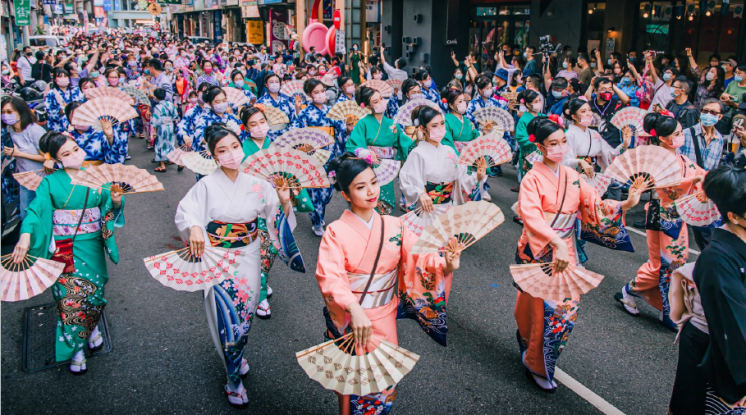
{"type": "Point", "coordinates": [164, 362]}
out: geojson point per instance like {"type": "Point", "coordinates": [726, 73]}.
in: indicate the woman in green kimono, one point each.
{"type": "Point", "coordinates": [459, 130]}
{"type": "Point", "coordinates": [254, 138]}
{"type": "Point", "coordinates": [379, 134]}
{"type": "Point", "coordinates": [62, 215]}
{"type": "Point", "coordinates": [532, 102]}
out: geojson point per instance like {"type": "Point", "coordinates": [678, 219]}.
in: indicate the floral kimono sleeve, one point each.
{"type": "Point", "coordinates": [38, 221]}
{"type": "Point", "coordinates": [423, 289]}
{"type": "Point", "coordinates": [334, 283]}
{"type": "Point", "coordinates": [280, 229]}
{"type": "Point", "coordinates": [602, 221]}
{"type": "Point", "coordinates": [111, 218]}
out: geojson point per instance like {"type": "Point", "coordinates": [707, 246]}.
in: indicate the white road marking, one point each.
{"type": "Point", "coordinates": [586, 393]}
{"type": "Point", "coordinates": [631, 229]}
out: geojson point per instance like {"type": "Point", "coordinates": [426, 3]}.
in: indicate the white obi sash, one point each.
{"type": "Point", "coordinates": [564, 225]}
{"type": "Point", "coordinates": [65, 221]}
{"type": "Point", "coordinates": [381, 291]}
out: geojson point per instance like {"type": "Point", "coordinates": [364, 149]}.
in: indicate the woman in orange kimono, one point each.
{"type": "Point", "coordinates": [667, 234]}
{"type": "Point", "coordinates": [549, 200]}
{"type": "Point", "coordinates": [362, 258]}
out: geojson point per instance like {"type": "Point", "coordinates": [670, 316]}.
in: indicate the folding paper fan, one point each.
{"type": "Point", "coordinates": [468, 223]}
{"type": "Point", "coordinates": [599, 181]}
{"type": "Point", "coordinates": [632, 117]}
{"type": "Point", "coordinates": [646, 167]}
{"type": "Point", "coordinates": [595, 120]}
{"type": "Point", "coordinates": [293, 88]}
{"type": "Point", "coordinates": [199, 162]}
{"type": "Point", "coordinates": [276, 118]}
{"type": "Point", "coordinates": [386, 170]}
{"type": "Point", "coordinates": [118, 178]}
{"type": "Point", "coordinates": [510, 95]}
{"type": "Point", "coordinates": [182, 271]}
{"type": "Point", "coordinates": [495, 116]}
{"type": "Point", "coordinates": [28, 278]}
{"type": "Point", "coordinates": [138, 95]}
{"type": "Point", "coordinates": [541, 281]}
{"type": "Point", "coordinates": [104, 92]}
{"type": "Point", "coordinates": [697, 210]}
{"type": "Point", "coordinates": [321, 155]}
{"type": "Point", "coordinates": [31, 179]}
{"type": "Point", "coordinates": [404, 115]}
{"type": "Point", "coordinates": [394, 84]}
{"type": "Point", "coordinates": [286, 166]}
{"type": "Point", "coordinates": [534, 157]}
{"type": "Point", "coordinates": [94, 111]}
{"type": "Point", "coordinates": [235, 96]}
{"type": "Point", "coordinates": [311, 137]}
{"type": "Point", "coordinates": [417, 220]}
{"type": "Point", "coordinates": [347, 111]}
{"type": "Point", "coordinates": [333, 365]}
{"type": "Point", "coordinates": [491, 147]}
{"type": "Point", "coordinates": [382, 87]}
{"type": "Point", "coordinates": [175, 156]}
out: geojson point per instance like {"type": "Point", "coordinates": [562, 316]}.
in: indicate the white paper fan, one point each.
{"type": "Point", "coordinates": [632, 117]}
{"type": "Point", "coordinates": [106, 108]}
{"type": "Point", "coordinates": [118, 178]}
{"type": "Point", "coordinates": [386, 170]}
{"type": "Point", "coordinates": [491, 147]}
{"type": "Point", "coordinates": [28, 278]}
{"type": "Point", "coordinates": [31, 179]}
{"type": "Point", "coordinates": [312, 137]}
{"type": "Point", "coordinates": [199, 162]}
{"type": "Point", "coordinates": [468, 223]}
{"type": "Point", "coordinates": [333, 365]}
{"type": "Point", "coordinates": [404, 115]}
{"type": "Point", "coordinates": [177, 153]}
{"type": "Point", "coordinates": [417, 220]}
{"type": "Point", "coordinates": [599, 181]}
{"type": "Point", "coordinates": [295, 168]}
{"type": "Point", "coordinates": [117, 93]}
{"type": "Point", "coordinates": [697, 210]}
{"type": "Point", "coordinates": [277, 119]}
{"type": "Point", "coordinates": [381, 86]}
{"type": "Point", "coordinates": [646, 167]}
{"type": "Point", "coordinates": [293, 88]}
{"type": "Point", "coordinates": [183, 272]}
{"type": "Point", "coordinates": [496, 116]}
{"type": "Point", "coordinates": [236, 96]}
{"type": "Point", "coordinates": [347, 111]}
{"type": "Point", "coordinates": [541, 281]}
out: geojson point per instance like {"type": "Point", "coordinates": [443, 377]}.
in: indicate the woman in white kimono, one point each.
{"type": "Point", "coordinates": [431, 174]}
{"type": "Point", "coordinates": [589, 152]}
{"type": "Point", "coordinates": [223, 209]}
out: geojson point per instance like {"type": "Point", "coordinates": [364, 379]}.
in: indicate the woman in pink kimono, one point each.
{"type": "Point", "coordinates": [362, 258]}
{"type": "Point", "coordinates": [667, 234]}
{"type": "Point", "coordinates": [549, 200]}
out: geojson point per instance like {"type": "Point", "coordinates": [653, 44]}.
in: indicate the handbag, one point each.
{"type": "Point", "coordinates": [64, 247]}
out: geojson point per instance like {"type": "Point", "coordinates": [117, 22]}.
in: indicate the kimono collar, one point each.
{"type": "Point", "coordinates": [225, 183]}
{"type": "Point", "coordinates": [354, 221]}
{"type": "Point", "coordinates": [548, 175]}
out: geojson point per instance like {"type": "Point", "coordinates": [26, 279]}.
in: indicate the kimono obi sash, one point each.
{"type": "Point", "coordinates": [440, 193]}
{"type": "Point", "coordinates": [328, 130]}
{"type": "Point", "coordinates": [564, 224]}
{"type": "Point", "coordinates": [383, 152]}
{"type": "Point", "coordinates": [92, 163]}
{"type": "Point", "coordinates": [232, 235]}
{"type": "Point", "coordinates": [381, 291]}
{"type": "Point", "coordinates": [64, 222]}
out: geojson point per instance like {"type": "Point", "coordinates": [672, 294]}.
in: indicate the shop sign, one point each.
{"type": "Point", "coordinates": [22, 10]}
{"type": "Point", "coordinates": [255, 31]}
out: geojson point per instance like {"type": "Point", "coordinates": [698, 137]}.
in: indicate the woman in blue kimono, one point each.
{"type": "Point", "coordinates": [185, 127]}
{"type": "Point", "coordinates": [60, 94]}
{"type": "Point", "coordinates": [274, 98]}
{"type": "Point", "coordinates": [314, 116]}
{"type": "Point", "coordinates": [347, 89]}
{"type": "Point", "coordinates": [163, 119]}
{"type": "Point", "coordinates": [218, 112]}
{"type": "Point", "coordinates": [428, 93]}
{"type": "Point", "coordinates": [238, 81]}
{"type": "Point", "coordinates": [107, 146]}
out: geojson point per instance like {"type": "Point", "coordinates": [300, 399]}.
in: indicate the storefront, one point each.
{"type": "Point", "coordinates": [492, 25]}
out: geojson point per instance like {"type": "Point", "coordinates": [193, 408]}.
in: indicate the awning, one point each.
{"type": "Point", "coordinates": [145, 22]}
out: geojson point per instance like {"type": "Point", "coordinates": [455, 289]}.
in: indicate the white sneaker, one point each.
{"type": "Point", "coordinates": [269, 292]}
{"type": "Point", "coordinates": [263, 310]}
{"type": "Point", "coordinates": [318, 230]}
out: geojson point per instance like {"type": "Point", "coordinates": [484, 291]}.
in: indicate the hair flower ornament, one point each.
{"type": "Point", "coordinates": [531, 138]}
{"type": "Point", "coordinates": [653, 133]}
{"type": "Point", "coordinates": [362, 105]}
{"type": "Point", "coordinates": [443, 100]}
{"type": "Point", "coordinates": [332, 177]}
{"type": "Point", "coordinates": [260, 107]}
{"type": "Point", "coordinates": [559, 120]}
{"type": "Point", "coordinates": [364, 154]}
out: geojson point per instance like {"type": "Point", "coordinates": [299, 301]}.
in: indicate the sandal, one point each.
{"type": "Point", "coordinates": [533, 380]}
{"type": "Point", "coordinates": [263, 310]}
{"type": "Point", "coordinates": [244, 370]}
{"type": "Point", "coordinates": [95, 342]}
{"type": "Point", "coordinates": [239, 399]}
{"type": "Point", "coordinates": [78, 368]}
{"type": "Point", "coordinates": [160, 169]}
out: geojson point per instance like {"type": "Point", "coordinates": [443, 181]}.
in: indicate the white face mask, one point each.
{"type": "Point", "coordinates": [487, 93]}
{"type": "Point", "coordinates": [273, 87]}
{"type": "Point", "coordinates": [710, 76]}
{"type": "Point", "coordinates": [74, 161]}
{"type": "Point", "coordinates": [461, 108]}
{"type": "Point", "coordinates": [536, 107]}
{"type": "Point", "coordinates": [380, 107]}
{"type": "Point", "coordinates": [350, 90]}
{"type": "Point", "coordinates": [413, 97]}
{"type": "Point", "coordinates": [319, 98]}
{"type": "Point", "coordinates": [260, 131]}
{"type": "Point", "coordinates": [378, 76]}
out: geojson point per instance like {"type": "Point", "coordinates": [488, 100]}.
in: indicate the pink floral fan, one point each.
{"type": "Point", "coordinates": [294, 88]}
{"type": "Point", "coordinates": [394, 84]}
{"type": "Point", "coordinates": [404, 115]}
{"type": "Point", "coordinates": [236, 96]}
{"type": "Point", "coordinates": [697, 210]}
{"type": "Point", "coordinates": [632, 117]}
{"type": "Point", "coordinates": [599, 181]}
{"type": "Point", "coordinates": [314, 138]}
{"type": "Point", "coordinates": [175, 156]}
{"type": "Point", "coordinates": [418, 220]}
{"type": "Point", "coordinates": [386, 170]}
{"type": "Point", "coordinates": [491, 148]}
{"type": "Point", "coordinates": [496, 117]}
{"type": "Point", "coordinates": [381, 86]}
{"type": "Point", "coordinates": [541, 281]}
{"type": "Point", "coordinates": [183, 272]}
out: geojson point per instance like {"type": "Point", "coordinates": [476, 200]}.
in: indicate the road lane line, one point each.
{"type": "Point", "coordinates": [586, 393]}
{"type": "Point", "coordinates": [694, 251]}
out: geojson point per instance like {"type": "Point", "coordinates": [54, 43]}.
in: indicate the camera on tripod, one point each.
{"type": "Point", "coordinates": [546, 46]}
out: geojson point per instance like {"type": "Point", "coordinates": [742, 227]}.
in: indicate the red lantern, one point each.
{"type": "Point", "coordinates": [337, 19]}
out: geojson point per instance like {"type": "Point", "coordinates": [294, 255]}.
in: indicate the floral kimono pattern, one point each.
{"type": "Point", "coordinates": [51, 217]}
{"type": "Point", "coordinates": [313, 116]}
{"type": "Point", "coordinates": [459, 132]}
{"type": "Point", "coordinates": [348, 250]}
{"type": "Point", "coordinates": [392, 107]}
{"type": "Point", "coordinates": [185, 127]}
{"type": "Point", "coordinates": [668, 239]}
{"type": "Point", "coordinates": [285, 104]}
{"type": "Point", "coordinates": [164, 117]}
{"type": "Point", "coordinates": [546, 217]}
{"type": "Point", "coordinates": [56, 101]}
{"type": "Point", "coordinates": [208, 118]}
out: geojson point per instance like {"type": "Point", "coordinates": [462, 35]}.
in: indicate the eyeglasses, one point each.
{"type": "Point", "coordinates": [710, 112]}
